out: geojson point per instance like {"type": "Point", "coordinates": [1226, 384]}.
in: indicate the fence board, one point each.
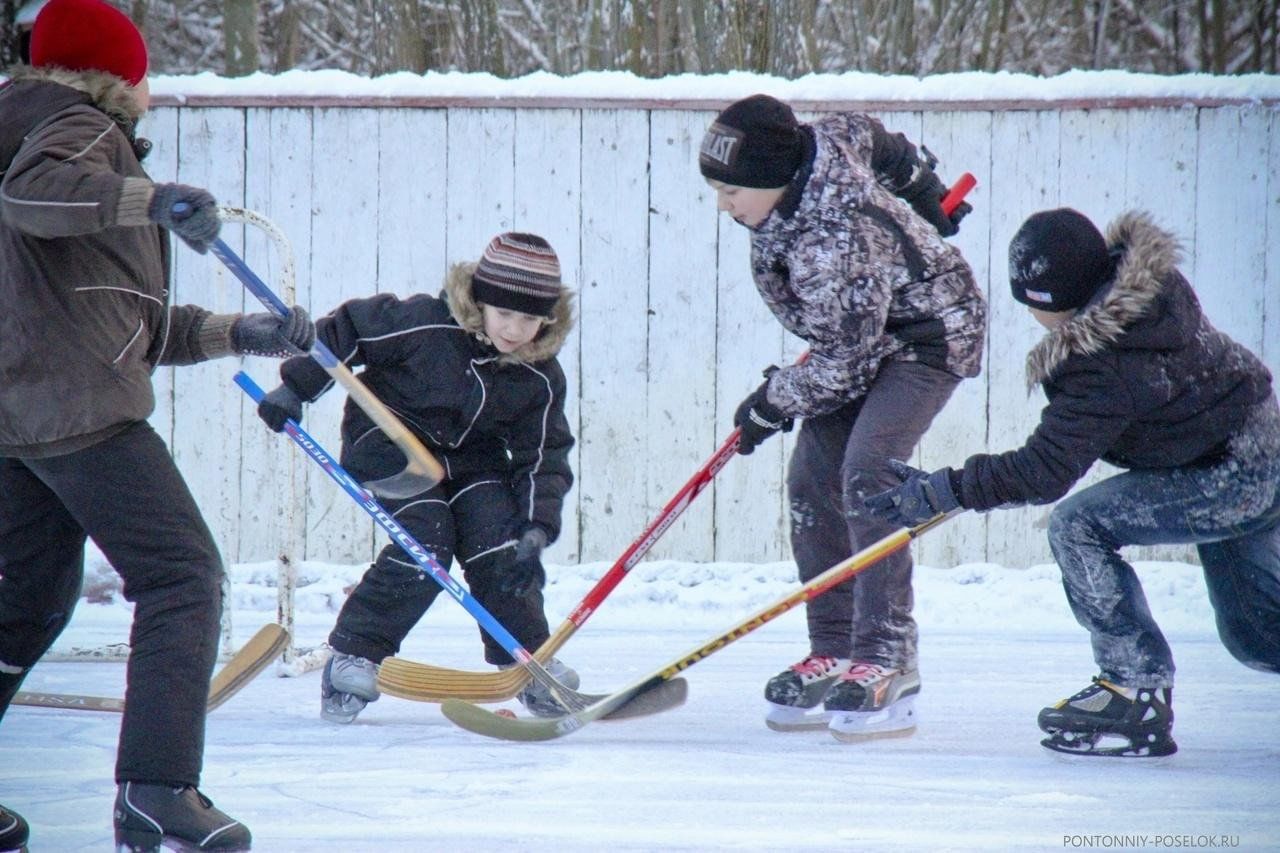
{"type": "Point", "coordinates": [681, 330]}
{"type": "Point", "coordinates": [614, 460]}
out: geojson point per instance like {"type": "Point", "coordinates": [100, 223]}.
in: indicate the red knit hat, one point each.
{"type": "Point", "coordinates": [88, 35]}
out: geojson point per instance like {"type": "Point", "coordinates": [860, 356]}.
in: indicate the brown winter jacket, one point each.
{"type": "Point", "coordinates": [849, 268]}
{"type": "Point", "coordinates": [84, 314]}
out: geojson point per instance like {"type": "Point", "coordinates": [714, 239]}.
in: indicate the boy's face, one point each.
{"type": "Point", "coordinates": [509, 330]}
{"type": "Point", "coordinates": [747, 205]}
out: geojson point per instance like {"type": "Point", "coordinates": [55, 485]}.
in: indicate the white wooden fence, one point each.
{"type": "Point", "coordinates": [383, 195]}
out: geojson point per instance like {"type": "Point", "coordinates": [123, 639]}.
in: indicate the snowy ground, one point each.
{"type": "Point", "coordinates": [997, 644]}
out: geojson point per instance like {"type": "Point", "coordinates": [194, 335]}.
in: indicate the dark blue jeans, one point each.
{"type": "Point", "coordinates": [1229, 510]}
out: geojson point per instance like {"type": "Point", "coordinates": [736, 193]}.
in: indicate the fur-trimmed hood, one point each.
{"type": "Point", "coordinates": [465, 309]}
{"type": "Point", "coordinates": [1148, 256]}
{"type": "Point", "coordinates": [106, 91]}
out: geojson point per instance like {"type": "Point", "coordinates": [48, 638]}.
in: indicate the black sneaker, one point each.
{"type": "Point", "coordinates": [13, 830]}
{"type": "Point", "coordinates": [147, 815]}
{"type": "Point", "coordinates": [1105, 719]}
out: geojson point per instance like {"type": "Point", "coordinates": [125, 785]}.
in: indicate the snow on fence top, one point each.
{"type": "Point", "coordinates": [611, 89]}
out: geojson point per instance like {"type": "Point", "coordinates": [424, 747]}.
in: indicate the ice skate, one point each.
{"type": "Point", "coordinates": [176, 816]}
{"type": "Point", "coordinates": [347, 684]}
{"type": "Point", "coordinates": [871, 701]}
{"type": "Point", "coordinates": [538, 699]}
{"type": "Point", "coordinates": [13, 831]}
{"type": "Point", "coordinates": [1105, 719]}
{"type": "Point", "coordinates": [794, 693]}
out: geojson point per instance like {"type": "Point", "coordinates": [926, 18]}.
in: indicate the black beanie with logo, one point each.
{"type": "Point", "coordinates": [1058, 260]}
{"type": "Point", "coordinates": [755, 142]}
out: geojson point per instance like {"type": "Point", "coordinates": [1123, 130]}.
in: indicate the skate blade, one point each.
{"type": "Point", "coordinates": [897, 720]}
{"type": "Point", "coordinates": [788, 718]}
{"type": "Point", "coordinates": [1107, 745]}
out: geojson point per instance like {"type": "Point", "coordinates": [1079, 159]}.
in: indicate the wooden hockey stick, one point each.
{"type": "Point", "coordinates": [254, 656]}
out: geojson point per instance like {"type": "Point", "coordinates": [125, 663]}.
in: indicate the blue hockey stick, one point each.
{"type": "Point", "coordinates": [571, 700]}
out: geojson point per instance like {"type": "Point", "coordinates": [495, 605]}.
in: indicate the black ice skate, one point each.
{"type": "Point", "coordinates": [1105, 719]}
{"type": "Point", "coordinates": [179, 817]}
{"type": "Point", "coordinates": [793, 693]}
{"type": "Point", "coordinates": [13, 831]}
{"type": "Point", "coordinates": [871, 701]}
{"type": "Point", "coordinates": [537, 698]}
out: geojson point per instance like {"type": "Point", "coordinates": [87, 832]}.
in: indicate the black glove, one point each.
{"type": "Point", "coordinates": [920, 497]}
{"type": "Point", "coordinates": [276, 337]}
{"type": "Point", "coordinates": [197, 224]}
{"type": "Point", "coordinates": [924, 191]}
{"type": "Point", "coordinates": [280, 405]}
{"type": "Point", "coordinates": [758, 418]}
{"type": "Point", "coordinates": [525, 575]}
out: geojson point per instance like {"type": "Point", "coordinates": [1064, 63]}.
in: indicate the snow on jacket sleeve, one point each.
{"type": "Point", "coordinates": [539, 445]}
{"type": "Point", "coordinates": [1084, 417]}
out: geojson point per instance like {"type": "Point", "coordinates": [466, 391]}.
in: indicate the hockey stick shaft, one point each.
{"type": "Point", "coordinates": [423, 470]}
{"type": "Point", "coordinates": [424, 558]}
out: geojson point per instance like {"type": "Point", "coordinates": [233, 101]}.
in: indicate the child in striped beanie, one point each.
{"type": "Point", "coordinates": [473, 373]}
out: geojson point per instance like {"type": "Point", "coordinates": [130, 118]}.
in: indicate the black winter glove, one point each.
{"type": "Point", "coordinates": [198, 224]}
{"type": "Point", "coordinates": [919, 498]}
{"type": "Point", "coordinates": [526, 575]}
{"type": "Point", "coordinates": [758, 418]}
{"type": "Point", "coordinates": [272, 336]}
{"type": "Point", "coordinates": [279, 405]}
{"type": "Point", "coordinates": [925, 193]}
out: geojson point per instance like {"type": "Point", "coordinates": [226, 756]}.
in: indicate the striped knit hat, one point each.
{"type": "Point", "coordinates": [519, 272]}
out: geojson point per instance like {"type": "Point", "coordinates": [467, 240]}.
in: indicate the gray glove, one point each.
{"type": "Point", "coordinates": [279, 405]}
{"type": "Point", "coordinates": [272, 336]}
{"type": "Point", "coordinates": [526, 574]}
{"type": "Point", "coordinates": [197, 223]}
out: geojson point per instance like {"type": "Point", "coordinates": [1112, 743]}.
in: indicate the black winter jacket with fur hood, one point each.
{"type": "Point", "coordinates": [478, 410]}
{"type": "Point", "coordinates": [1138, 378]}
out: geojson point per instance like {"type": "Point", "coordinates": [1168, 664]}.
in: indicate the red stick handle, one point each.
{"type": "Point", "coordinates": [958, 191]}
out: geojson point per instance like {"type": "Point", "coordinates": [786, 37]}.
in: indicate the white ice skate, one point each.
{"type": "Point", "coordinates": [871, 701]}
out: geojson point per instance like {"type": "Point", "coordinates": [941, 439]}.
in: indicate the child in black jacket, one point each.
{"type": "Point", "coordinates": [474, 375]}
{"type": "Point", "coordinates": [1136, 376]}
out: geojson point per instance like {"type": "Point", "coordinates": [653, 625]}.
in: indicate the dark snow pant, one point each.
{"type": "Point", "coordinates": [128, 496]}
{"type": "Point", "coordinates": [1229, 510]}
{"type": "Point", "coordinates": [840, 459]}
{"type": "Point", "coordinates": [473, 517]}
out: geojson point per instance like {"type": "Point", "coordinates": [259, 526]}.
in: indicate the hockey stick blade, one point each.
{"type": "Point", "coordinates": [422, 470]}
{"type": "Point", "coordinates": [263, 647]}
{"type": "Point", "coordinates": [485, 722]}
{"type": "Point", "coordinates": [641, 699]}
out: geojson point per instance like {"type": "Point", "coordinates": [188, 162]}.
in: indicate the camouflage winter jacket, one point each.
{"type": "Point", "coordinates": [1138, 378]}
{"type": "Point", "coordinates": [849, 268]}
